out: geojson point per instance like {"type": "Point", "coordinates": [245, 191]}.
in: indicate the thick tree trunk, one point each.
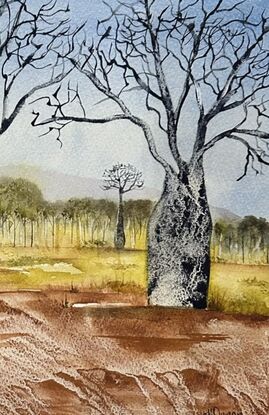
{"type": "Point", "coordinates": [179, 243]}
{"type": "Point", "coordinates": [119, 237]}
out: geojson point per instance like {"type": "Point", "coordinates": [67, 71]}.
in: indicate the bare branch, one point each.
{"type": "Point", "coordinates": [29, 42]}
{"type": "Point", "coordinates": [220, 61]}
{"type": "Point", "coordinates": [58, 108]}
{"type": "Point", "coordinates": [123, 177]}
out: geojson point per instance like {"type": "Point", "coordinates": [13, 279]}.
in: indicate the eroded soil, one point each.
{"type": "Point", "coordinates": [127, 360]}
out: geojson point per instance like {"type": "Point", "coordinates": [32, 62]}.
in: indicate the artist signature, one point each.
{"type": "Point", "coordinates": [217, 411]}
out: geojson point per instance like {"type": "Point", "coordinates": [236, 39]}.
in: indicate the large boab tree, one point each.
{"type": "Point", "coordinates": [181, 56]}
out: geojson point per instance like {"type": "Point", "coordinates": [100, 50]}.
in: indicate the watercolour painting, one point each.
{"type": "Point", "coordinates": [134, 207]}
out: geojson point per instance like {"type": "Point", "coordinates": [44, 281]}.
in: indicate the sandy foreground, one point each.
{"type": "Point", "coordinates": [128, 360]}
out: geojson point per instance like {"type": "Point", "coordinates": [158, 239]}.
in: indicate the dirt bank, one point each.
{"type": "Point", "coordinates": [128, 360]}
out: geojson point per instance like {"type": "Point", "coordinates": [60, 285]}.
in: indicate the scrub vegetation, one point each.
{"type": "Point", "coordinates": [70, 246]}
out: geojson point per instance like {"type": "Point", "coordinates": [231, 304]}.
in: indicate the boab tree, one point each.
{"type": "Point", "coordinates": [124, 178]}
{"type": "Point", "coordinates": [220, 62]}
{"type": "Point", "coordinates": [32, 39]}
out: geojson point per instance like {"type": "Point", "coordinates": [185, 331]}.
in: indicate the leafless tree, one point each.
{"type": "Point", "coordinates": [124, 178]}
{"type": "Point", "coordinates": [32, 39]}
{"type": "Point", "coordinates": [220, 62]}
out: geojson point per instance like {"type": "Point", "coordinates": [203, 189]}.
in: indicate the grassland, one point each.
{"type": "Point", "coordinates": [233, 288]}
{"type": "Point", "coordinates": [240, 288]}
{"type": "Point", "coordinates": [82, 269]}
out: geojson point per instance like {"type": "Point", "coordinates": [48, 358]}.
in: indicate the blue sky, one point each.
{"type": "Point", "coordinates": [87, 149]}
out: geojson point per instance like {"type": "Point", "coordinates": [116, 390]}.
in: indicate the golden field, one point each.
{"type": "Point", "coordinates": [233, 287]}
{"type": "Point", "coordinates": [115, 355]}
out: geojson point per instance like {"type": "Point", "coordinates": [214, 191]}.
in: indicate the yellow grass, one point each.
{"type": "Point", "coordinates": [240, 288]}
{"type": "Point", "coordinates": [96, 268]}
{"type": "Point", "coordinates": [233, 287]}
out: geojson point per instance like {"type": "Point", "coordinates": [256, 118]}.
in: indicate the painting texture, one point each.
{"type": "Point", "coordinates": [134, 221]}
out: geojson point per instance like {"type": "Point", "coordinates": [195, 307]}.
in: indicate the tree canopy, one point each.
{"type": "Point", "coordinates": [220, 61]}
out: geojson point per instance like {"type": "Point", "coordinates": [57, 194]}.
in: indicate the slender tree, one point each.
{"type": "Point", "coordinates": [220, 60]}
{"type": "Point", "coordinates": [124, 178]}
{"type": "Point", "coordinates": [243, 234]}
{"type": "Point", "coordinates": [230, 237]}
{"type": "Point", "coordinates": [21, 200]}
{"type": "Point", "coordinates": [219, 231]}
{"type": "Point", "coordinates": [137, 214]}
{"type": "Point", "coordinates": [266, 241]}
{"type": "Point", "coordinates": [108, 210]}
{"type": "Point", "coordinates": [263, 230]}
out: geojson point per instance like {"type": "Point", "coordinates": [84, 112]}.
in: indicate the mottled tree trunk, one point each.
{"type": "Point", "coordinates": [119, 237]}
{"type": "Point", "coordinates": [179, 243]}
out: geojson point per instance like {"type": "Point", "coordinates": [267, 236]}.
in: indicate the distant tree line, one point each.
{"type": "Point", "coordinates": [245, 241]}
{"type": "Point", "coordinates": [28, 220]}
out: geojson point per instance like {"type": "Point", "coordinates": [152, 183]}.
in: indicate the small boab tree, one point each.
{"type": "Point", "coordinates": [124, 178]}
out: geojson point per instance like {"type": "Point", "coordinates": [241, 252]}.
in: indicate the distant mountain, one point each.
{"type": "Point", "coordinates": [59, 186]}
{"type": "Point", "coordinates": [224, 214]}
